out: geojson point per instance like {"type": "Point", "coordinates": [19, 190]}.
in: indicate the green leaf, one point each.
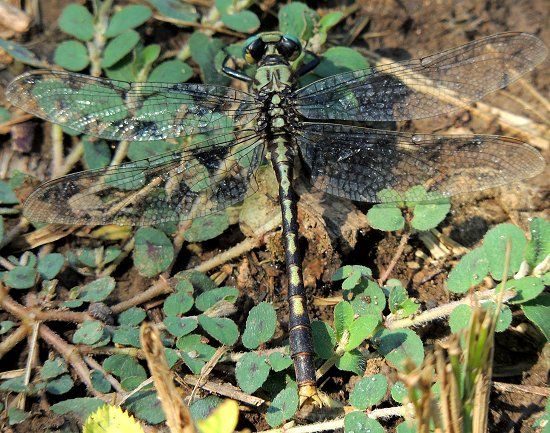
{"type": "Point", "coordinates": [85, 256]}
{"type": "Point", "coordinates": [297, 19]}
{"type": "Point", "coordinates": [470, 271]}
{"type": "Point", "coordinates": [203, 407]}
{"type": "Point", "coordinates": [127, 369]}
{"type": "Point", "coordinates": [176, 10]}
{"type": "Point", "coordinates": [407, 426]}
{"type": "Point", "coordinates": [385, 217]}
{"type": "Point", "coordinates": [330, 20]}
{"type": "Point", "coordinates": [538, 311]}
{"type": "Point", "coordinates": [97, 153]}
{"type": "Point", "coordinates": [362, 328]}
{"type": "Point", "coordinates": [207, 227]}
{"type": "Point", "coordinates": [5, 114]}
{"type": "Point", "coordinates": [180, 326]}
{"type": "Point", "coordinates": [504, 319]}
{"type": "Point", "coordinates": [204, 51]}
{"type": "Point", "coordinates": [343, 318]}
{"type": "Point", "coordinates": [527, 288]}
{"type": "Point", "coordinates": [172, 356]}
{"type": "Point", "coordinates": [194, 352]}
{"type": "Point", "coordinates": [324, 339]}
{"type": "Point", "coordinates": [118, 47]}
{"type": "Point", "coordinates": [17, 416]}
{"type": "Point", "coordinates": [99, 382]}
{"type": "Point", "coordinates": [60, 385]}
{"type": "Point", "coordinates": [399, 391]}
{"type": "Point", "coordinates": [150, 54]}
{"type": "Point", "coordinates": [400, 345]}
{"type": "Point", "coordinates": [77, 21]}
{"type": "Point", "coordinates": [127, 18]}
{"type": "Point", "coordinates": [369, 391]}
{"type": "Point", "coordinates": [351, 361]}
{"type": "Point", "coordinates": [427, 216]}
{"type": "Point", "coordinates": [177, 303]}
{"type": "Point", "coordinates": [146, 406]}
{"type": "Point", "coordinates": [71, 55]}
{"type": "Point", "coordinates": [416, 195]}
{"type": "Point", "coordinates": [20, 277]}
{"type": "Point", "coordinates": [460, 318]}
{"type": "Point", "coordinates": [50, 265]}
{"type": "Point", "coordinates": [251, 372]}
{"type": "Point", "coordinates": [15, 384]}
{"type": "Point", "coordinates": [359, 422]}
{"type": "Point", "coordinates": [243, 21]}
{"type": "Point", "coordinates": [400, 303]}
{"type": "Point", "coordinates": [153, 251]}
{"type": "Point", "coordinates": [224, 6]}
{"type": "Point", "coordinates": [21, 54]}
{"type": "Point", "coordinates": [198, 280]}
{"type": "Point", "coordinates": [97, 290]}
{"type": "Point", "coordinates": [209, 298]}
{"type": "Point", "coordinates": [171, 71]}
{"type": "Point", "coordinates": [138, 150]}
{"type": "Point", "coordinates": [7, 196]}
{"type": "Point", "coordinates": [279, 361]}
{"type": "Point", "coordinates": [132, 316]}
{"type": "Point", "coordinates": [222, 329]}
{"type": "Point", "coordinates": [494, 244]}
{"type": "Point", "coordinates": [260, 325]}
{"type": "Point", "coordinates": [53, 368]}
{"type": "Point", "coordinates": [538, 247]}
{"type": "Point", "coordinates": [283, 407]}
{"type": "Point", "coordinates": [89, 332]}
{"type": "Point", "coordinates": [340, 59]}
{"type": "Point", "coordinates": [398, 295]}
{"type": "Point", "coordinates": [349, 271]}
{"type": "Point", "coordinates": [81, 407]}
{"type": "Point", "coordinates": [5, 326]}
{"type": "Point", "coordinates": [371, 301]}
{"type": "Point", "coordinates": [127, 336]}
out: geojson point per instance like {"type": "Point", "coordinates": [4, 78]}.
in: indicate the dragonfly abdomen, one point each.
{"type": "Point", "coordinates": [301, 340]}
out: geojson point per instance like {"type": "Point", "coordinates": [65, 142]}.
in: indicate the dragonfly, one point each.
{"type": "Point", "coordinates": [229, 133]}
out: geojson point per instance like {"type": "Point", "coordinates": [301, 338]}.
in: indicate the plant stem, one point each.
{"type": "Point", "coordinates": [13, 339]}
{"type": "Point", "coordinates": [339, 423]}
{"type": "Point", "coordinates": [444, 310]}
{"type": "Point", "coordinates": [395, 258]}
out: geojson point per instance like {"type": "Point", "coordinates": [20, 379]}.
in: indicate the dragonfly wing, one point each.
{"type": "Point", "coordinates": [174, 186]}
{"type": "Point", "coordinates": [371, 160]}
{"type": "Point", "coordinates": [425, 87]}
{"type": "Point", "coordinates": [117, 110]}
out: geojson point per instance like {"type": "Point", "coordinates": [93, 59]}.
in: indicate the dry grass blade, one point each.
{"type": "Point", "coordinates": [178, 417]}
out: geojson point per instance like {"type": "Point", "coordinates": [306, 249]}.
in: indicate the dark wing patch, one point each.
{"type": "Point", "coordinates": [117, 110]}
{"type": "Point", "coordinates": [417, 89]}
{"type": "Point", "coordinates": [174, 186]}
{"type": "Point", "coordinates": [369, 161]}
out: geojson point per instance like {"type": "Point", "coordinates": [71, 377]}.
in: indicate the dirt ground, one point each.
{"type": "Point", "coordinates": [398, 29]}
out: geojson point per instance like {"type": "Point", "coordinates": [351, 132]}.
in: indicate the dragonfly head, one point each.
{"type": "Point", "coordinates": [271, 47]}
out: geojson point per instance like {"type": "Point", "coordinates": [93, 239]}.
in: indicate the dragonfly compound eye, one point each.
{"type": "Point", "coordinates": [289, 47]}
{"type": "Point", "coordinates": [254, 51]}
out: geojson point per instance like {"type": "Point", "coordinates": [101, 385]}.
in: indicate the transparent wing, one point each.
{"type": "Point", "coordinates": [369, 161]}
{"type": "Point", "coordinates": [117, 110]}
{"type": "Point", "coordinates": [174, 186]}
{"type": "Point", "coordinates": [421, 88]}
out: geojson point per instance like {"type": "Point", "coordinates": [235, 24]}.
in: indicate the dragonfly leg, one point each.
{"type": "Point", "coordinates": [309, 66]}
{"type": "Point", "coordinates": [301, 340]}
{"type": "Point", "coordinates": [233, 73]}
